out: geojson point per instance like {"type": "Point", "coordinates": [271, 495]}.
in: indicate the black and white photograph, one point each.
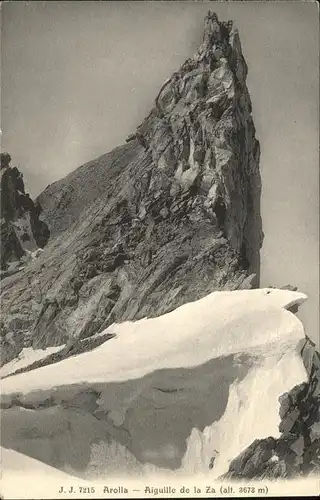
{"type": "Point", "coordinates": [159, 249]}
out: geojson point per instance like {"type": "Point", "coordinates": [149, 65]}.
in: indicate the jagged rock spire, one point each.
{"type": "Point", "coordinates": [21, 228]}
{"type": "Point", "coordinates": [202, 137]}
{"type": "Point", "coordinates": [214, 30]}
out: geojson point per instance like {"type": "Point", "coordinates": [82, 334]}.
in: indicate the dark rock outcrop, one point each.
{"type": "Point", "coordinates": [21, 228]}
{"type": "Point", "coordinates": [297, 451]}
{"type": "Point", "coordinates": [167, 218]}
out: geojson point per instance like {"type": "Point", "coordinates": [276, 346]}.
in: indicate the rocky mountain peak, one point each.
{"type": "Point", "coordinates": [163, 220]}
{"type": "Point", "coordinates": [155, 224]}
{"type": "Point", "coordinates": [201, 137]}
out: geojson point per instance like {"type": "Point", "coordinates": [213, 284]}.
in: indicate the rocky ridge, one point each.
{"type": "Point", "coordinates": [167, 218]}
{"type": "Point", "coordinates": [21, 229]}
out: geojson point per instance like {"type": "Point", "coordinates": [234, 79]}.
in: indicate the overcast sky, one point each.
{"type": "Point", "coordinates": [78, 77]}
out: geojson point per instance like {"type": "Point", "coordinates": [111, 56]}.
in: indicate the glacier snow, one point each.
{"type": "Point", "coordinates": [165, 392]}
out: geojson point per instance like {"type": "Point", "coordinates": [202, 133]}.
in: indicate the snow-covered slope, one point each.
{"type": "Point", "coordinates": [25, 477]}
{"type": "Point", "coordinates": [165, 391]}
{"type": "Point", "coordinates": [13, 462]}
{"type": "Point", "coordinates": [26, 357]}
{"type": "Point", "coordinates": [220, 324]}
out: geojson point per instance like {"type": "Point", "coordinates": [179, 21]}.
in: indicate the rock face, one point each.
{"type": "Point", "coordinates": [297, 450]}
{"type": "Point", "coordinates": [163, 220]}
{"type": "Point", "coordinates": [21, 228]}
